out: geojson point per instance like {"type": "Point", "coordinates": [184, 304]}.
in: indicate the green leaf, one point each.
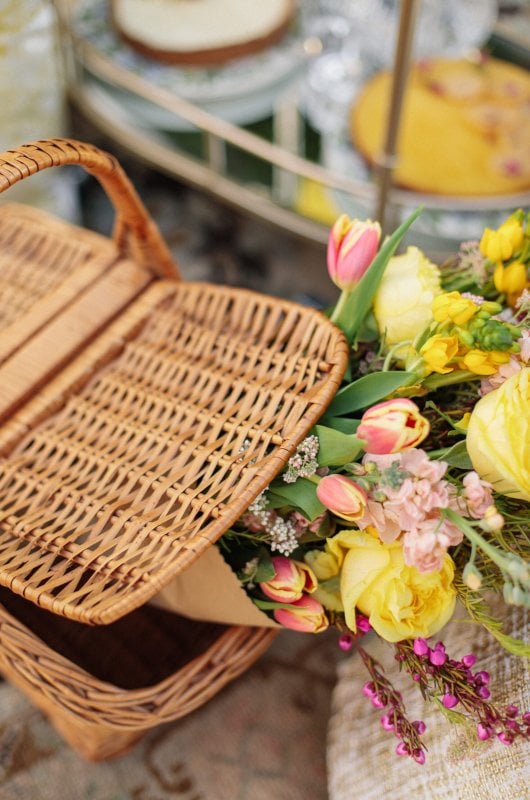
{"type": "Point", "coordinates": [269, 605]}
{"type": "Point", "coordinates": [336, 448]}
{"type": "Point", "coordinates": [456, 456]}
{"type": "Point", "coordinates": [358, 303]}
{"type": "Point", "coordinates": [368, 390]}
{"type": "Point", "coordinates": [265, 570]}
{"type": "Point", "coordinates": [342, 424]}
{"type": "Point", "coordinates": [301, 495]}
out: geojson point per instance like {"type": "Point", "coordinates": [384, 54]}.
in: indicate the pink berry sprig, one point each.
{"type": "Point", "coordinates": [454, 684]}
{"type": "Point", "coordinates": [347, 639]}
{"type": "Point", "coordinates": [383, 696]}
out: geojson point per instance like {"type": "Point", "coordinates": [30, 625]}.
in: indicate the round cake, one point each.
{"type": "Point", "coordinates": [201, 31]}
{"type": "Point", "coordinates": [465, 127]}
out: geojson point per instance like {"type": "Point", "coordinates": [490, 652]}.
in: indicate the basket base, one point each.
{"type": "Point", "coordinates": [103, 688]}
{"type": "Point", "coordinates": [94, 742]}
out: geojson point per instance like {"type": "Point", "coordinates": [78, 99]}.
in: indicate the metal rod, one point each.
{"type": "Point", "coordinates": [387, 160]}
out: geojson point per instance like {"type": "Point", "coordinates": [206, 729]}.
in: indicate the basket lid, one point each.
{"type": "Point", "coordinates": [126, 464]}
{"type": "Point", "coordinates": [158, 436]}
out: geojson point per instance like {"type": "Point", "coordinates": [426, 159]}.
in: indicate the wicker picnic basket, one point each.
{"type": "Point", "coordinates": [141, 415]}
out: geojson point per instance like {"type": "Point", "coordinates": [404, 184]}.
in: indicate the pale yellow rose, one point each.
{"type": "Point", "coordinates": [498, 436]}
{"type": "Point", "coordinates": [326, 568]}
{"type": "Point", "coordinates": [403, 301]}
{"type": "Point", "coordinates": [400, 602]}
{"type": "Point", "coordinates": [323, 564]}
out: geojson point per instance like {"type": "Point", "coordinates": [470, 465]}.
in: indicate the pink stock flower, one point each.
{"type": "Point", "coordinates": [425, 546]}
{"type": "Point", "coordinates": [352, 246]}
{"type": "Point", "coordinates": [342, 496]}
{"type": "Point", "coordinates": [292, 578]}
{"type": "Point", "coordinates": [413, 491]}
{"type": "Point", "coordinates": [418, 463]}
{"type": "Point", "coordinates": [477, 495]}
{"type": "Point", "coordinates": [306, 615]}
{"type": "Point", "coordinates": [392, 426]}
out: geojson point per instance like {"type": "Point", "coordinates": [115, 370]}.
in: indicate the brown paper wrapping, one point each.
{"type": "Point", "coordinates": [209, 591]}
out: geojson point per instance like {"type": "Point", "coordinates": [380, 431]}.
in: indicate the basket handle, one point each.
{"type": "Point", "coordinates": [135, 233]}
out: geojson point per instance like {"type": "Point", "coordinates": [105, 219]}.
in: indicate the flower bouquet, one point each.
{"type": "Point", "coordinates": [413, 490]}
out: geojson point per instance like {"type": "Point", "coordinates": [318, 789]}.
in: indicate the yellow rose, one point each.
{"type": "Point", "coordinates": [403, 301]}
{"type": "Point", "coordinates": [400, 602]}
{"type": "Point", "coordinates": [498, 436]}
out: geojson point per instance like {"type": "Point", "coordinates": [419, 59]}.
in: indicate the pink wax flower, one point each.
{"type": "Point", "coordinates": [342, 496]}
{"type": "Point", "coordinates": [352, 246]}
{"type": "Point", "coordinates": [392, 426]}
{"type": "Point", "coordinates": [306, 615]}
{"type": "Point", "coordinates": [291, 579]}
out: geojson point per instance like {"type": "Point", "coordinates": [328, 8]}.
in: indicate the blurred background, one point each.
{"type": "Point", "coordinates": [228, 151]}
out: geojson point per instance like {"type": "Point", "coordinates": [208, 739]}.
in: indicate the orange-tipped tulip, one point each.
{"type": "Point", "coordinates": [292, 578]}
{"type": "Point", "coordinates": [352, 246]}
{"type": "Point", "coordinates": [392, 426]}
{"type": "Point", "coordinates": [306, 615]}
{"type": "Point", "coordinates": [342, 496]}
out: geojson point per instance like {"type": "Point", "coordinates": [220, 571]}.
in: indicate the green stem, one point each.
{"type": "Point", "coordinates": [435, 381]}
{"type": "Point", "coordinates": [339, 307]}
{"type": "Point", "coordinates": [477, 540]}
{"type": "Point", "coordinates": [390, 354]}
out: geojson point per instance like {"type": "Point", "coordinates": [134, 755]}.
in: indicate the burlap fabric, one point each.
{"type": "Point", "coordinates": [360, 754]}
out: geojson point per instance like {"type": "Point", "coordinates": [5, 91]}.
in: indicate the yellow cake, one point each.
{"type": "Point", "coordinates": [465, 127]}
{"type": "Point", "coordinates": [201, 31]}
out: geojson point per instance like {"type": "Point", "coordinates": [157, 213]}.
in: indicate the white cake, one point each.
{"type": "Point", "coordinates": [201, 31]}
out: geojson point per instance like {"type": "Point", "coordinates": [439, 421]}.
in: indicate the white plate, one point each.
{"type": "Point", "coordinates": [242, 91]}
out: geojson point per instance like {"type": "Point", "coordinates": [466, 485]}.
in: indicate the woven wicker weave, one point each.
{"type": "Point", "coordinates": [104, 687]}
{"type": "Point", "coordinates": [149, 445]}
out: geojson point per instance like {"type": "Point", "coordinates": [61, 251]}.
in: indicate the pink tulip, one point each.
{"type": "Point", "coordinates": [291, 580]}
{"type": "Point", "coordinates": [306, 615]}
{"type": "Point", "coordinates": [392, 426]}
{"type": "Point", "coordinates": [342, 496]}
{"type": "Point", "coordinates": [352, 246]}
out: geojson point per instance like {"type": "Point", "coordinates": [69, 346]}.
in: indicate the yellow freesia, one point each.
{"type": "Point", "coordinates": [438, 352]}
{"type": "Point", "coordinates": [483, 362]}
{"type": "Point", "coordinates": [500, 245]}
{"type": "Point", "coordinates": [511, 279]}
{"type": "Point", "coordinates": [452, 307]}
